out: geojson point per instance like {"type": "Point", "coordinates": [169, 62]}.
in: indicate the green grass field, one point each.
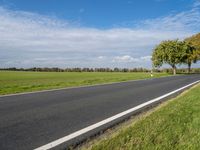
{"type": "Point", "coordinates": [173, 125]}
{"type": "Point", "coordinates": [16, 82]}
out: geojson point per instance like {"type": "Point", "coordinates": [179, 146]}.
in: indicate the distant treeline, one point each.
{"type": "Point", "coordinates": [77, 69]}
{"type": "Point", "coordinates": [36, 69]}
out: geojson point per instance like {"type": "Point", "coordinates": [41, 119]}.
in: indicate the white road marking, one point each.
{"type": "Point", "coordinates": [103, 122]}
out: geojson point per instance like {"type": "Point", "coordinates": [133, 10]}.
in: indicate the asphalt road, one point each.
{"type": "Point", "coordinates": [29, 121]}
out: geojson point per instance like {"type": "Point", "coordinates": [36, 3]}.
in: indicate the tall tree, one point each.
{"type": "Point", "coordinates": [167, 52]}
{"type": "Point", "coordinates": [195, 41]}
{"type": "Point", "coordinates": [189, 54]}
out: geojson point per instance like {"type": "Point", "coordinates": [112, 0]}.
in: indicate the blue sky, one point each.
{"type": "Point", "coordinates": [91, 33]}
{"type": "Point", "coordinates": [101, 13]}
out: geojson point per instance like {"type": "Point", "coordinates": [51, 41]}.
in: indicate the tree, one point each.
{"type": "Point", "coordinates": [189, 54]}
{"type": "Point", "coordinates": [167, 52]}
{"type": "Point", "coordinates": [195, 41]}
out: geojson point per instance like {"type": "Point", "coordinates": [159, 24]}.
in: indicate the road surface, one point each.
{"type": "Point", "coordinates": [29, 121]}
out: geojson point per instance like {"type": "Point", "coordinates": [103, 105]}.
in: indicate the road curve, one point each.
{"type": "Point", "coordinates": [29, 121]}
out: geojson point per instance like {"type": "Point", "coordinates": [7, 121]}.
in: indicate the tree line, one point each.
{"type": "Point", "coordinates": [55, 69]}
{"type": "Point", "coordinates": [177, 52]}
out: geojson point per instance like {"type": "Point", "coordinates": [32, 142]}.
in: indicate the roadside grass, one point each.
{"type": "Point", "coordinates": [17, 82]}
{"type": "Point", "coordinates": [175, 124]}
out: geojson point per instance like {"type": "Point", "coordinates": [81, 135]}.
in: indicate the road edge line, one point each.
{"type": "Point", "coordinates": [110, 119]}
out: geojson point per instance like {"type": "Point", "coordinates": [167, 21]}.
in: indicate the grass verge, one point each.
{"type": "Point", "coordinates": [17, 82]}
{"type": "Point", "coordinates": [175, 124]}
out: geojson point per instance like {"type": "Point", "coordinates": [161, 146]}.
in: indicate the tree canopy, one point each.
{"type": "Point", "coordinates": [195, 41]}
{"type": "Point", "coordinates": [169, 52]}
{"type": "Point", "coordinates": [175, 52]}
{"type": "Point", "coordinates": [189, 54]}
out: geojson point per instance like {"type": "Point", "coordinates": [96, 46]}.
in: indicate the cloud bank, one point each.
{"type": "Point", "coordinates": [29, 39]}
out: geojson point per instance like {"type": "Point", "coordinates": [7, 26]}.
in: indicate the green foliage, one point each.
{"type": "Point", "coordinates": [169, 52]}
{"type": "Point", "coordinates": [175, 52]}
{"type": "Point", "coordinates": [195, 41]}
{"type": "Point", "coordinates": [189, 54]}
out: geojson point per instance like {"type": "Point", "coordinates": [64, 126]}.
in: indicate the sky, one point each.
{"type": "Point", "coordinates": [91, 33]}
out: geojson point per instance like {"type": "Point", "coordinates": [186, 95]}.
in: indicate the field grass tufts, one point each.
{"type": "Point", "coordinates": [174, 125]}
{"type": "Point", "coordinates": [17, 82]}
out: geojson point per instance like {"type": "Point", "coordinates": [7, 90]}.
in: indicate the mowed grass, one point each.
{"type": "Point", "coordinates": [16, 82]}
{"type": "Point", "coordinates": [173, 125]}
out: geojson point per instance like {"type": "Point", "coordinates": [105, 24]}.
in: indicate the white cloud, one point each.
{"type": "Point", "coordinates": [196, 3]}
{"type": "Point", "coordinates": [124, 59]}
{"type": "Point", "coordinates": [101, 57]}
{"type": "Point", "coordinates": [145, 58]}
{"type": "Point", "coordinates": [127, 58]}
{"type": "Point", "coordinates": [29, 39]}
{"type": "Point", "coordinates": [185, 21]}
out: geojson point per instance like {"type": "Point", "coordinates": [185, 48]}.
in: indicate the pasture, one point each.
{"type": "Point", "coordinates": [19, 81]}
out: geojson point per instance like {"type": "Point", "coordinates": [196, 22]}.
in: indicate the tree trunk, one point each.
{"type": "Point", "coordinates": [174, 69]}
{"type": "Point", "coordinates": [189, 67]}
